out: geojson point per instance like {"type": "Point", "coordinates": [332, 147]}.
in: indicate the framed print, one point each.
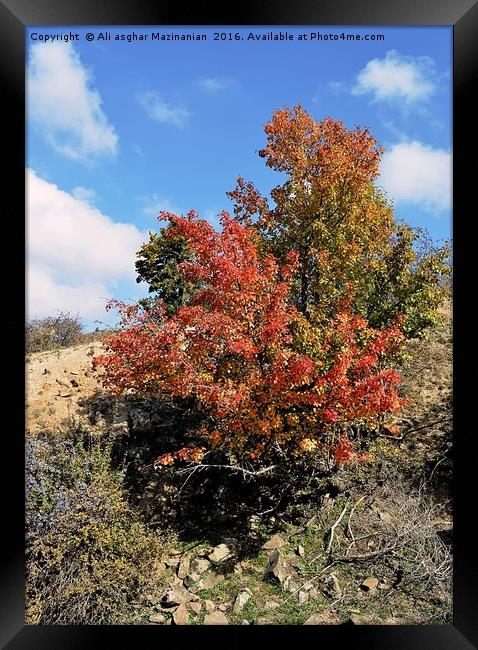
{"type": "Point", "coordinates": [245, 395]}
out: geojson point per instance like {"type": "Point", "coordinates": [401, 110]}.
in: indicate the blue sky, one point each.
{"type": "Point", "coordinates": [117, 131]}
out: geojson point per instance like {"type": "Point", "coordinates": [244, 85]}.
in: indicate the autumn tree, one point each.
{"type": "Point", "coordinates": [230, 351]}
{"type": "Point", "coordinates": [331, 212]}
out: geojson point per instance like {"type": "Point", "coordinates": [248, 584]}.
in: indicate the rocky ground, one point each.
{"type": "Point", "coordinates": [376, 550]}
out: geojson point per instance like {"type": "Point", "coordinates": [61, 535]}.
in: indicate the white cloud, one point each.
{"type": "Point", "coordinates": [75, 254]}
{"type": "Point", "coordinates": [415, 173]}
{"type": "Point", "coordinates": [160, 111]}
{"type": "Point", "coordinates": [86, 194]}
{"type": "Point", "coordinates": [63, 103]}
{"type": "Point", "coordinates": [397, 77]}
{"type": "Point", "coordinates": [212, 85]}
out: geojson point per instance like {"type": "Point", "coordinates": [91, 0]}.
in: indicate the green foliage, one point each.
{"type": "Point", "coordinates": [157, 264]}
{"type": "Point", "coordinates": [88, 557]}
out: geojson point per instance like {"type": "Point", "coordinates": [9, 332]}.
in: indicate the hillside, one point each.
{"type": "Point", "coordinates": [375, 548]}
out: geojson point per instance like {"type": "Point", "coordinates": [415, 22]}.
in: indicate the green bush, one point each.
{"type": "Point", "coordinates": [88, 558]}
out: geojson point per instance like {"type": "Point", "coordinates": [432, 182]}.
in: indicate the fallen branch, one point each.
{"type": "Point", "coordinates": [334, 526]}
{"type": "Point", "coordinates": [231, 468]}
{"type": "Point", "coordinates": [429, 424]}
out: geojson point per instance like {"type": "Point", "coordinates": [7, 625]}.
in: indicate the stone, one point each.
{"type": "Point", "coordinates": [219, 553]}
{"type": "Point", "coordinates": [313, 593]}
{"type": "Point", "coordinates": [271, 604]}
{"type": "Point", "coordinates": [194, 607]}
{"type": "Point", "coordinates": [181, 615]}
{"type": "Point", "coordinates": [316, 619]}
{"type": "Point", "coordinates": [332, 587]}
{"type": "Point", "coordinates": [177, 596]}
{"type": "Point", "coordinates": [291, 584]}
{"type": "Point", "coordinates": [385, 516]}
{"type": "Point", "coordinates": [191, 579]}
{"type": "Point", "coordinates": [274, 542]}
{"type": "Point", "coordinates": [222, 607]}
{"type": "Point", "coordinates": [171, 561]}
{"type": "Point", "coordinates": [369, 584]}
{"type": "Point", "coordinates": [277, 568]}
{"type": "Point", "coordinates": [205, 551]}
{"type": "Point", "coordinates": [199, 565]}
{"type": "Point", "coordinates": [209, 605]}
{"type": "Point", "coordinates": [159, 619]}
{"type": "Point", "coordinates": [216, 618]}
{"type": "Point", "coordinates": [210, 581]}
{"type": "Point", "coordinates": [183, 568]}
{"type": "Point", "coordinates": [302, 597]}
{"type": "Point", "coordinates": [244, 622]}
{"type": "Point", "coordinates": [300, 551]}
{"type": "Point", "coordinates": [241, 599]}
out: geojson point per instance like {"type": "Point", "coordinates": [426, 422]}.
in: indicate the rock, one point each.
{"type": "Point", "coordinates": [194, 607]}
{"type": "Point", "coordinates": [183, 568]}
{"type": "Point", "coordinates": [219, 553]}
{"type": "Point", "coordinates": [181, 615]}
{"type": "Point", "coordinates": [205, 551]}
{"type": "Point", "coordinates": [360, 619]}
{"type": "Point", "coordinates": [159, 619]}
{"type": "Point", "coordinates": [171, 561]}
{"type": "Point", "coordinates": [313, 593]}
{"type": "Point", "coordinates": [241, 599]}
{"type": "Point", "coordinates": [191, 579]}
{"type": "Point", "coordinates": [216, 618]}
{"type": "Point", "coordinates": [199, 565]}
{"type": "Point", "coordinates": [320, 619]}
{"type": "Point", "coordinates": [291, 584]}
{"type": "Point", "coordinates": [385, 516]}
{"type": "Point", "coordinates": [238, 569]}
{"type": "Point", "coordinates": [210, 581]}
{"type": "Point", "coordinates": [332, 588]}
{"type": "Point", "coordinates": [271, 604]}
{"type": "Point", "coordinates": [275, 541]}
{"type": "Point", "coordinates": [209, 605]}
{"type": "Point", "coordinates": [177, 596]}
{"type": "Point", "coordinates": [244, 622]}
{"type": "Point", "coordinates": [222, 607]}
{"type": "Point", "coordinates": [302, 597]}
{"type": "Point", "coordinates": [65, 394]}
{"type": "Point", "coordinates": [369, 584]}
{"type": "Point", "coordinates": [300, 551]}
{"type": "Point", "coordinates": [277, 568]}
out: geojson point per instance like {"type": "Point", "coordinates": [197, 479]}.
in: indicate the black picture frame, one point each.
{"type": "Point", "coordinates": [15, 16]}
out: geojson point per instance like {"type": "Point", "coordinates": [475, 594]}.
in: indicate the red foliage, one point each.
{"type": "Point", "coordinates": [231, 351]}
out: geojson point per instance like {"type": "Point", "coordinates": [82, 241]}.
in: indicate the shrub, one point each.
{"type": "Point", "coordinates": [231, 353]}
{"type": "Point", "coordinates": [52, 331]}
{"type": "Point", "coordinates": [88, 558]}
